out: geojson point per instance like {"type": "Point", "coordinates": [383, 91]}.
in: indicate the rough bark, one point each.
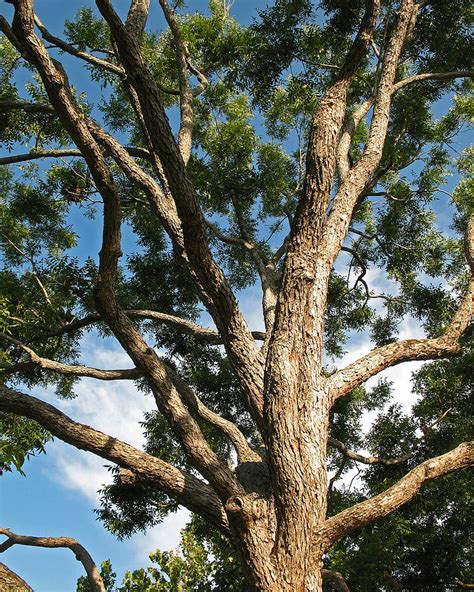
{"type": "Point", "coordinates": [11, 582]}
{"type": "Point", "coordinates": [93, 576]}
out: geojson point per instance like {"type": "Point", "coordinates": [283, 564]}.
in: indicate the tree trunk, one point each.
{"type": "Point", "coordinates": [11, 582]}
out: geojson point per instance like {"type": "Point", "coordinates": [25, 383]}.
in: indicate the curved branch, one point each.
{"type": "Point", "coordinates": [189, 491]}
{"type": "Point", "coordinates": [193, 402]}
{"type": "Point", "coordinates": [399, 494]}
{"type": "Point", "coordinates": [95, 580]}
{"type": "Point", "coordinates": [343, 381]}
{"type": "Point", "coordinates": [70, 369]}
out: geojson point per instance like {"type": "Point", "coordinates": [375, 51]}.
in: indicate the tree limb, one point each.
{"type": "Point", "coordinates": [361, 111]}
{"type": "Point", "coordinates": [27, 106]}
{"type": "Point", "coordinates": [189, 491]}
{"type": "Point", "coordinates": [343, 381]}
{"type": "Point", "coordinates": [337, 223]}
{"type": "Point", "coordinates": [68, 48]}
{"type": "Point", "coordinates": [399, 494]}
{"type": "Point", "coordinates": [95, 580]}
{"type": "Point", "coordinates": [209, 335]}
{"type": "Point", "coordinates": [187, 430]}
{"type": "Point", "coordinates": [69, 369]}
{"type": "Point", "coordinates": [367, 460]}
{"type": "Point", "coordinates": [137, 17]}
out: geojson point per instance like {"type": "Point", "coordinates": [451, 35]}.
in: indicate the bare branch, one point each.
{"type": "Point", "coordinates": [184, 487]}
{"type": "Point", "coordinates": [366, 460]}
{"type": "Point", "coordinates": [69, 369]}
{"type": "Point", "coordinates": [399, 494]}
{"type": "Point", "coordinates": [343, 381]}
{"type": "Point", "coordinates": [95, 580]}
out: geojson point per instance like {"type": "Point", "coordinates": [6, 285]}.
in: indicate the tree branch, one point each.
{"type": "Point", "coordinates": [185, 95]}
{"type": "Point", "coordinates": [95, 580]}
{"type": "Point", "coordinates": [361, 111]}
{"type": "Point", "coordinates": [209, 335]}
{"type": "Point", "coordinates": [27, 106]}
{"type": "Point", "coordinates": [189, 491]}
{"type": "Point", "coordinates": [166, 395]}
{"type": "Point", "coordinates": [366, 460]}
{"type": "Point", "coordinates": [137, 17]}
{"type": "Point", "coordinates": [68, 48]}
{"type": "Point", "coordinates": [337, 223]}
{"type": "Point", "coordinates": [335, 580]}
{"type": "Point", "coordinates": [343, 381]}
{"type": "Point", "coordinates": [399, 494]}
{"type": "Point", "coordinates": [68, 369]}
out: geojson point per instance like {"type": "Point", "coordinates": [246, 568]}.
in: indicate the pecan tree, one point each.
{"type": "Point", "coordinates": [245, 420]}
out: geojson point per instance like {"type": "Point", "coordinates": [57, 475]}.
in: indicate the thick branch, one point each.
{"type": "Point", "coordinates": [399, 494]}
{"type": "Point", "coordinates": [334, 580]}
{"type": "Point", "coordinates": [137, 17]}
{"type": "Point", "coordinates": [355, 118]}
{"type": "Point", "coordinates": [184, 487]}
{"type": "Point", "coordinates": [343, 381]}
{"type": "Point", "coordinates": [336, 225]}
{"type": "Point", "coordinates": [95, 581]}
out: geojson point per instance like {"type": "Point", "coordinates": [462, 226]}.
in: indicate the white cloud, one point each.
{"type": "Point", "coordinates": [79, 471]}
{"type": "Point", "coordinates": [115, 408]}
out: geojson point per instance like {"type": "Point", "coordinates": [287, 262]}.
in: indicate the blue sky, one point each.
{"type": "Point", "coordinates": [59, 493]}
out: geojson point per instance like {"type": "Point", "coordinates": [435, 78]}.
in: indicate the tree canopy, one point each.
{"type": "Point", "coordinates": [315, 158]}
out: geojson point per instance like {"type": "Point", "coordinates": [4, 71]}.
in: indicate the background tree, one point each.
{"type": "Point", "coordinates": [306, 153]}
